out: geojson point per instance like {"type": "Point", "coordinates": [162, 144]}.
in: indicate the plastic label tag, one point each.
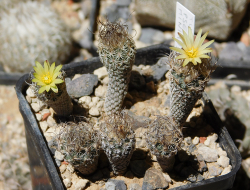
{"type": "Point", "coordinates": [183, 19]}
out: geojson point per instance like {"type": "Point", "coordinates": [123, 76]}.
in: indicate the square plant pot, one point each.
{"type": "Point", "coordinates": [44, 174]}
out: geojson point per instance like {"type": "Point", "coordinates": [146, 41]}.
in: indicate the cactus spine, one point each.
{"type": "Point", "coordinates": [80, 145]}
{"type": "Point", "coordinates": [118, 141]}
{"type": "Point", "coordinates": [163, 140]}
{"type": "Point", "coordinates": [117, 53]}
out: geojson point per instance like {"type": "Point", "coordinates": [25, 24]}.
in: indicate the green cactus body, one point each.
{"type": "Point", "coordinates": [117, 53]}
{"type": "Point", "coordinates": [80, 145]}
{"type": "Point", "coordinates": [184, 96]}
{"type": "Point", "coordinates": [118, 141]}
{"type": "Point", "coordinates": [163, 140]}
{"type": "Point", "coordinates": [60, 102]}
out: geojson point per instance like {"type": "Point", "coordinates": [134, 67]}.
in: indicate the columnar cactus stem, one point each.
{"type": "Point", "coordinates": [164, 139]}
{"type": "Point", "coordinates": [118, 141]}
{"type": "Point", "coordinates": [189, 74]}
{"type": "Point", "coordinates": [49, 86]}
{"type": "Point", "coordinates": [117, 52]}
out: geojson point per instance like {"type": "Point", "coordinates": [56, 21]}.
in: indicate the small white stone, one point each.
{"type": "Point", "coordinates": [94, 111]}
{"type": "Point", "coordinates": [85, 100]}
{"type": "Point", "coordinates": [91, 104]}
{"type": "Point", "coordinates": [51, 121]}
{"type": "Point", "coordinates": [159, 90]}
{"type": "Point", "coordinates": [59, 156]}
{"type": "Point", "coordinates": [70, 168]}
{"type": "Point", "coordinates": [235, 88]}
{"type": "Point", "coordinates": [100, 91]}
{"type": "Point", "coordinates": [167, 177]}
{"type": "Point", "coordinates": [30, 93]}
{"type": "Point", "coordinates": [166, 86]}
{"type": "Point", "coordinates": [67, 182]}
{"type": "Point", "coordinates": [196, 140]}
{"type": "Point", "coordinates": [29, 99]}
{"type": "Point", "coordinates": [110, 186]}
{"type": "Point", "coordinates": [226, 170]}
{"type": "Point", "coordinates": [76, 76]}
{"type": "Point", "coordinates": [81, 184]}
{"type": "Point", "coordinates": [35, 107]}
{"type": "Point", "coordinates": [63, 168]}
{"type": "Point", "coordinates": [105, 81]}
{"type": "Point", "coordinates": [38, 116]}
{"type": "Point", "coordinates": [101, 72]}
{"type": "Point", "coordinates": [223, 161]}
{"type": "Point", "coordinates": [44, 126]}
{"type": "Point", "coordinates": [100, 104]}
{"type": "Point", "coordinates": [95, 100]}
{"type": "Point", "coordinates": [45, 111]}
{"type": "Point", "coordinates": [34, 100]}
{"type": "Point", "coordinates": [221, 152]}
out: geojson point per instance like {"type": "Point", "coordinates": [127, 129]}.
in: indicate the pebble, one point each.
{"type": "Point", "coordinates": [105, 81]}
{"type": "Point", "coordinates": [101, 73]}
{"type": "Point", "coordinates": [76, 89]}
{"type": "Point", "coordinates": [81, 184]}
{"type": "Point", "coordinates": [59, 156]}
{"type": "Point", "coordinates": [236, 89]}
{"type": "Point", "coordinates": [196, 140]}
{"type": "Point", "coordinates": [94, 111]}
{"type": "Point", "coordinates": [223, 161]}
{"type": "Point", "coordinates": [110, 186]}
{"type": "Point", "coordinates": [100, 91]}
{"type": "Point", "coordinates": [154, 179]}
{"type": "Point", "coordinates": [70, 168]}
{"type": "Point", "coordinates": [38, 116]}
{"type": "Point", "coordinates": [36, 107]}
{"type": "Point", "coordinates": [202, 139]}
{"type": "Point", "coordinates": [214, 170]}
{"type": "Point", "coordinates": [209, 155]}
{"type": "Point", "coordinates": [45, 116]}
{"type": "Point", "coordinates": [167, 177]}
{"type": "Point", "coordinates": [119, 184]}
{"type": "Point", "coordinates": [51, 121]}
{"type": "Point", "coordinates": [44, 126]}
{"type": "Point", "coordinates": [134, 186]}
{"type": "Point", "coordinates": [85, 100]}
{"type": "Point", "coordinates": [100, 104]}
{"type": "Point", "coordinates": [227, 170]}
{"type": "Point", "coordinates": [221, 152]}
{"type": "Point", "coordinates": [211, 139]}
{"type": "Point", "coordinates": [67, 182]}
{"type": "Point", "coordinates": [63, 168]}
{"type": "Point", "coordinates": [30, 93]}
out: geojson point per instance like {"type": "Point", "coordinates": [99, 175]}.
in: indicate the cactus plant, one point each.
{"type": "Point", "coordinates": [116, 50]}
{"type": "Point", "coordinates": [118, 140]}
{"type": "Point", "coordinates": [29, 32]}
{"type": "Point", "coordinates": [163, 140]}
{"type": "Point", "coordinates": [187, 78]}
{"type": "Point", "coordinates": [49, 86]}
{"type": "Point", "coordinates": [80, 145]}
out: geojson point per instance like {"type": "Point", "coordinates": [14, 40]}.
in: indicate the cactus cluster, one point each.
{"type": "Point", "coordinates": [163, 140]}
{"type": "Point", "coordinates": [116, 50]}
{"type": "Point", "coordinates": [118, 140]}
{"type": "Point", "coordinates": [29, 32]}
{"type": "Point", "coordinates": [80, 145]}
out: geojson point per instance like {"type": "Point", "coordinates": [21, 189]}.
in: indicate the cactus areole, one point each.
{"type": "Point", "coordinates": [116, 50]}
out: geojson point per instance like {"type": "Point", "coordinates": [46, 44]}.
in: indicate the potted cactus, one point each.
{"type": "Point", "coordinates": [80, 145]}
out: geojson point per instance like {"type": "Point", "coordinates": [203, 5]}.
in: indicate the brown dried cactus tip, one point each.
{"type": "Point", "coordinates": [113, 34]}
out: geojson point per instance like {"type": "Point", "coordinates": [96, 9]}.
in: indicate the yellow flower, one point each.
{"type": "Point", "coordinates": [192, 50]}
{"type": "Point", "coordinates": [47, 77]}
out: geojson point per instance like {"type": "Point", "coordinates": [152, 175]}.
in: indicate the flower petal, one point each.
{"type": "Point", "coordinates": [46, 66]}
{"type": "Point", "coordinates": [202, 39]}
{"type": "Point", "coordinates": [51, 70]}
{"type": "Point", "coordinates": [197, 39]}
{"type": "Point", "coordinates": [47, 87]}
{"type": "Point", "coordinates": [55, 89]}
{"type": "Point", "coordinates": [181, 51]}
{"type": "Point", "coordinates": [185, 62]}
{"type": "Point", "coordinates": [58, 81]}
{"type": "Point", "coordinates": [180, 43]}
{"type": "Point", "coordinates": [42, 89]}
{"type": "Point", "coordinates": [206, 45]}
{"type": "Point", "coordinates": [182, 56]}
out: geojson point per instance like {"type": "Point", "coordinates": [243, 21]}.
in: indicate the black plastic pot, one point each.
{"type": "Point", "coordinates": [44, 174]}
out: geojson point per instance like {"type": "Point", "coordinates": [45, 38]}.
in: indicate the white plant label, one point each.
{"type": "Point", "coordinates": [183, 19]}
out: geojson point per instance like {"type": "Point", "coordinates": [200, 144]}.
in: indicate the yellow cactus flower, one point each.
{"type": "Point", "coordinates": [192, 50]}
{"type": "Point", "coordinates": [47, 77]}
